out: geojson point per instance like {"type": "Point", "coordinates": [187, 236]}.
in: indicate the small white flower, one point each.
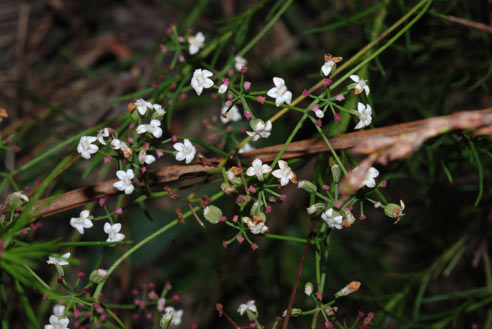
{"type": "Point", "coordinates": [280, 92]}
{"type": "Point", "coordinates": [232, 115]}
{"type": "Point", "coordinates": [62, 260]}
{"type": "Point", "coordinates": [311, 209]}
{"type": "Point", "coordinates": [154, 128]}
{"type": "Point", "coordinates": [186, 151]}
{"type": "Point", "coordinates": [360, 84]}
{"type": "Point", "coordinates": [332, 218]}
{"type": "Point", "coordinates": [239, 62]}
{"type": "Point", "coordinates": [116, 144]}
{"type": "Point", "coordinates": [158, 109]}
{"type": "Point", "coordinates": [86, 148]}
{"type": "Point", "coordinates": [327, 67]}
{"type": "Point", "coordinates": [176, 315]}
{"type": "Point", "coordinates": [201, 80]}
{"type": "Point", "coordinates": [365, 117]}
{"type": "Point", "coordinates": [284, 173]}
{"type": "Point", "coordinates": [308, 288]}
{"type": "Point", "coordinates": [101, 134]}
{"type": "Point", "coordinates": [196, 42]}
{"type": "Point", "coordinates": [223, 88]}
{"type": "Point", "coordinates": [145, 158]}
{"type": "Point", "coordinates": [369, 180]}
{"type": "Point", "coordinates": [142, 106]}
{"type": "Point", "coordinates": [256, 226]}
{"type": "Point", "coordinates": [21, 196]}
{"type": "Point", "coordinates": [249, 306]}
{"type": "Point", "coordinates": [56, 323]}
{"type": "Point", "coordinates": [246, 148]}
{"type": "Point", "coordinates": [319, 114]}
{"type": "Point", "coordinates": [113, 232]}
{"type": "Point", "coordinates": [261, 129]}
{"type": "Point", "coordinates": [258, 169]}
{"type": "Point", "coordinates": [125, 181]}
{"type": "Point", "coordinates": [58, 310]}
{"type": "Point", "coordinates": [79, 223]}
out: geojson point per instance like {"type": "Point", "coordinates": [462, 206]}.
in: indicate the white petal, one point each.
{"type": "Point", "coordinates": [278, 82]}
{"type": "Point", "coordinates": [107, 227]}
{"type": "Point", "coordinates": [355, 77]}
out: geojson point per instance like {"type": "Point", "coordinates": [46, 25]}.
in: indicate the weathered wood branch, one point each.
{"type": "Point", "coordinates": [381, 144]}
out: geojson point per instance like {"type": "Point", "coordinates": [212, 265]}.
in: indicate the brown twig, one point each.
{"type": "Point", "coordinates": [390, 143]}
{"type": "Point", "coordinates": [472, 24]}
{"type": "Point", "coordinates": [298, 276]}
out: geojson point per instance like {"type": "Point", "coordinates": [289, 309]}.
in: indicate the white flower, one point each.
{"type": "Point", "coordinates": [259, 169]}
{"type": "Point", "coordinates": [332, 218]}
{"type": "Point", "coordinates": [239, 62]}
{"type": "Point", "coordinates": [196, 42]}
{"type": "Point", "coordinates": [246, 148]}
{"type": "Point", "coordinates": [360, 84]}
{"type": "Point", "coordinates": [280, 92]}
{"type": "Point", "coordinates": [327, 67]}
{"type": "Point", "coordinates": [154, 128]}
{"type": "Point", "coordinates": [186, 151]}
{"type": "Point", "coordinates": [62, 260]}
{"type": "Point", "coordinates": [79, 223]}
{"type": "Point", "coordinates": [284, 173]}
{"type": "Point", "coordinates": [125, 181]}
{"type": "Point", "coordinates": [113, 232]}
{"type": "Point", "coordinates": [158, 109]}
{"type": "Point", "coordinates": [144, 157]}
{"type": "Point", "coordinates": [101, 134]}
{"type": "Point", "coordinates": [142, 106]}
{"type": "Point", "coordinates": [86, 148]}
{"type": "Point", "coordinates": [249, 306]}
{"type": "Point", "coordinates": [58, 310]}
{"type": "Point", "coordinates": [21, 196]}
{"type": "Point", "coordinates": [201, 80]}
{"type": "Point", "coordinates": [319, 114]}
{"type": "Point", "coordinates": [364, 115]}
{"type": "Point", "coordinates": [176, 315]}
{"type": "Point", "coordinates": [257, 225]}
{"type": "Point", "coordinates": [369, 180]}
{"type": "Point", "coordinates": [308, 288]}
{"type": "Point", "coordinates": [223, 88]}
{"type": "Point", "coordinates": [116, 144]}
{"type": "Point", "coordinates": [56, 323]}
{"type": "Point", "coordinates": [231, 115]}
{"type": "Point", "coordinates": [311, 209]}
{"type": "Point", "coordinates": [260, 130]}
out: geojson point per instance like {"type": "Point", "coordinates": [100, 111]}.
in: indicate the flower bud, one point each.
{"type": "Point", "coordinates": [255, 209]}
{"type": "Point", "coordinates": [294, 312]}
{"type": "Point", "coordinates": [348, 289]}
{"type": "Point", "coordinates": [307, 186]}
{"type": "Point", "coordinates": [315, 209]}
{"type": "Point", "coordinates": [98, 276]}
{"type": "Point", "coordinates": [335, 173]}
{"type": "Point", "coordinates": [393, 210]}
{"type": "Point", "coordinates": [212, 214]}
{"type": "Point", "coordinates": [308, 288]}
{"type": "Point", "coordinates": [227, 188]}
{"type": "Point", "coordinates": [16, 199]}
{"type": "Point", "coordinates": [167, 318]}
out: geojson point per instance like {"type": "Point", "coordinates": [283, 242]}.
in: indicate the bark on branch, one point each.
{"type": "Point", "coordinates": [380, 144]}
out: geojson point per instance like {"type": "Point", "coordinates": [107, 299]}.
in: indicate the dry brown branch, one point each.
{"type": "Point", "coordinates": [472, 24]}
{"type": "Point", "coordinates": [388, 143]}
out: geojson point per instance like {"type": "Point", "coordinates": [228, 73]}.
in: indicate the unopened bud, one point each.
{"type": "Point", "coordinates": [212, 214]}
{"type": "Point", "coordinates": [167, 318]}
{"type": "Point", "coordinates": [315, 209]}
{"type": "Point", "coordinates": [308, 288]}
{"type": "Point", "coordinates": [16, 199]}
{"type": "Point", "coordinates": [294, 312]}
{"type": "Point", "coordinates": [348, 289]}
{"type": "Point", "coordinates": [307, 186]}
{"type": "Point", "coordinates": [393, 210]}
{"type": "Point", "coordinates": [98, 276]}
{"type": "Point", "coordinates": [335, 172]}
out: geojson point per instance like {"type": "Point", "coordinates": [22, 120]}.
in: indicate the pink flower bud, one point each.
{"type": "Point", "coordinates": [240, 239]}
{"type": "Point", "coordinates": [76, 313]}
{"type": "Point", "coordinates": [229, 128]}
{"type": "Point", "coordinates": [326, 82]}
{"type": "Point", "coordinates": [340, 97]}
{"type": "Point", "coordinates": [130, 139]}
{"type": "Point", "coordinates": [102, 201]}
{"type": "Point", "coordinates": [224, 244]}
{"type": "Point", "coordinates": [173, 85]}
{"type": "Point", "coordinates": [247, 115]}
{"type": "Point", "coordinates": [226, 82]}
{"type": "Point", "coordinates": [268, 209]}
{"type": "Point", "coordinates": [182, 96]}
{"type": "Point", "coordinates": [174, 138]}
{"type": "Point", "coordinates": [254, 246]}
{"type": "Point", "coordinates": [159, 153]}
{"type": "Point", "coordinates": [228, 103]}
{"type": "Point", "coordinates": [305, 93]}
{"type": "Point", "coordinates": [318, 123]}
{"type": "Point", "coordinates": [252, 189]}
{"type": "Point", "coordinates": [318, 295]}
{"type": "Point", "coordinates": [336, 117]}
{"type": "Point", "coordinates": [244, 69]}
{"type": "Point", "coordinates": [384, 183]}
{"type": "Point", "coordinates": [107, 159]}
{"type": "Point", "coordinates": [222, 218]}
{"type": "Point", "coordinates": [326, 187]}
{"type": "Point", "coordinates": [247, 85]}
{"type": "Point", "coordinates": [16, 148]}
{"type": "Point", "coordinates": [118, 211]}
{"type": "Point", "coordinates": [260, 99]}
{"type": "Point", "coordinates": [80, 275]}
{"type": "Point", "coordinates": [235, 218]}
{"type": "Point", "coordinates": [131, 126]}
